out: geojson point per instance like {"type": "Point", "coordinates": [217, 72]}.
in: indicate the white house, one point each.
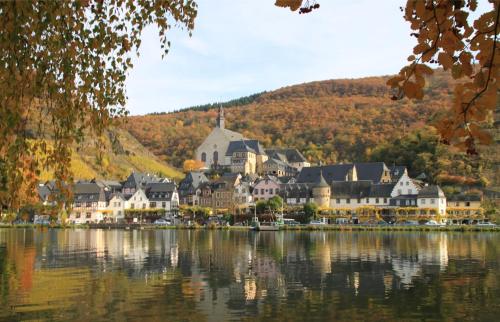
{"type": "Point", "coordinates": [116, 207]}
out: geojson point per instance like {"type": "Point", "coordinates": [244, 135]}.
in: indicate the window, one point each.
{"type": "Point", "coordinates": [359, 200]}
{"type": "Point", "coordinates": [467, 204]}
{"type": "Point", "coordinates": [261, 191]}
{"type": "Point", "coordinates": [433, 201]}
{"type": "Point", "coordinates": [385, 200]}
{"type": "Point", "coordinates": [119, 212]}
{"type": "Point", "coordinates": [89, 215]}
{"type": "Point", "coordinates": [407, 183]}
{"type": "Point", "coordinates": [397, 202]}
{"type": "Point", "coordinates": [78, 215]}
{"type": "Point", "coordinates": [401, 183]}
{"type": "Point", "coordinates": [338, 200]}
{"type": "Point", "coordinates": [457, 204]}
{"type": "Point", "coordinates": [152, 205]}
{"type": "Point", "coordinates": [216, 157]}
{"type": "Point", "coordinates": [88, 204]}
{"type": "Point", "coordinates": [277, 191]}
{"type": "Point", "coordinates": [132, 206]}
{"type": "Point", "coordinates": [204, 157]}
{"type": "Point", "coordinates": [409, 191]}
{"type": "Point", "coordinates": [399, 191]}
{"type": "Point", "coordinates": [367, 200]}
{"type": "Point", "coordinates": [164, 204]}
{"type": "Point", "coordinates": [143, 206]}
{"type": "Point", "coordinates": [376, 200]}
{"type": "Point", "coordinates": [256, 191]}
{"type": "Point", "coordinates": [348, 200]}
{"type": "Point", "coordinates": [77, 204]}
{"type": "Point", "coordinates": [423, 201]}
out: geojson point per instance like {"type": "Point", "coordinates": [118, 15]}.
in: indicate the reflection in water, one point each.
{"type": "Point", "coordinates": [225, 275]}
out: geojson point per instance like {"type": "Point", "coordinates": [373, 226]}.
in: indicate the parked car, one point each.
{"type": "Point", "coordinates": [382, 223]}
{"type": "Point", "coordinates": [486, 224]}
{"type": "Point", "coordinates": [162, 222]}
{"type": "Point", "coordinates": [317, 222]}
{"type": "Point", "coordinates": [44, 222]}
{"type": "Point", "coordinates": [433, 223]}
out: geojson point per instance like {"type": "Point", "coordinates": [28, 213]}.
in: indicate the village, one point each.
{"type": "Point", "coordinates": [240, 179]}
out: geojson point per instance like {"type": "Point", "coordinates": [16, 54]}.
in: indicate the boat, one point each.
{"type": "Point", "coordinates": [267, 226]}
{"type": "Point", "coordinates": [270, 226]}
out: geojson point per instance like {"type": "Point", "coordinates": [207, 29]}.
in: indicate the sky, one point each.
{"type": "Point", "coordinates": [241, 47]}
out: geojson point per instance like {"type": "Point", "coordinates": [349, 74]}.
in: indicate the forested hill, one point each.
{"type": "Point", "coordinates": [329, 121]}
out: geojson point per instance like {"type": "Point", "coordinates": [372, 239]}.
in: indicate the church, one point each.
{"type": "Point", "coordinates": [213, 150]}
{"type": "Point", "coordinates": [224, 148]}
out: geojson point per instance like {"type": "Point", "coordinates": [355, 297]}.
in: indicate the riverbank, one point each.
{"type": "Point", "coordinates": [346, 228]}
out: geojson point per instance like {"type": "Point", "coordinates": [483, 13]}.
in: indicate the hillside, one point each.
{"type": "Point", "coordinates": [115, 159]}
{"type": "Point", "coordinates": [329, 121]}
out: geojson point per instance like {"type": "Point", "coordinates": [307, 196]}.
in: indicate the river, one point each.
{"type": "Point", "coordinates": [205, 275]}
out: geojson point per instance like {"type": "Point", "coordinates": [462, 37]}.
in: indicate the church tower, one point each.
{"type": "Point", "coordinates": [220, 118]}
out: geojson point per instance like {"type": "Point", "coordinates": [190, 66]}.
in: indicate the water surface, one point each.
{"type": "Point", "coordinates": [183, 275]}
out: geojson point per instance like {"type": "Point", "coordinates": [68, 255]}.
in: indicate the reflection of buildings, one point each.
{"type": "Point", "coordinates": [219, 273]}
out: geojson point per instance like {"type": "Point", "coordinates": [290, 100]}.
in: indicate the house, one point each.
{"type": "Point", "coordinates": [136, 181]}
{"type": "Point", "coordinates": [431, 196]}
{"type": "Point", "coordinates": [405, 186]}
{"type": "Point", "coordinates": [289, 156]}
{"type": "Point", "coordinates": [294, 194]}
{"type": "Point", "coordinates": [188, 187]}
{"type": "Point", "coordinates": [278, 168]}
{"type": "Point", "coordinates": [266, 188]}
{"type": "Point", "coordinates": [89, 203]}
{"type": "Point", "coordinates": [221, 194]}
{"type": "Point", "coordinates": [243, 157]}
{"type": "Point", "coordinates": [464, 207]}
{"type": "Point", "coordinates": [138, 200]}
{"type": "Point", "coordinates": [163, 196]}
{"type": "Point", "coordinates": [116, 207]}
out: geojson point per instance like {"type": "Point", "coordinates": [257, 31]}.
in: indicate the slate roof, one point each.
{"type": "Point", "coordinates": [292, 155]}
{"type": "Point", "coordinates": [351, 189]}
{"type": "Point", "coordinates": [322, 182]}
{"type": "Point", "coordinates": [139, 180]}
{"type": "Point", "coordinates": [370, 170]}
{"type": "Point", "coordinates": [431, 192]}
{"type": "Point", "coordinates": [397, 171]}
{"type": "Point", "coordinates": [278, 162]}
{"type": "Point", "coordinates": [296, 190]}
{"type": "Point", "coordinates": [160, 191]}
{"type": "Point", "coordinates": [335, 172]}
{"type": "Point", "coordinates": [238, 146]}
{"type": "Point", "coordinates": [192, 180]}
{"type": "Point", "coordinates": [88, 192]}
{"type": "Point", "coordinates": [381, 190]}
{"type": "Point", "coordinates": [244, 145]}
